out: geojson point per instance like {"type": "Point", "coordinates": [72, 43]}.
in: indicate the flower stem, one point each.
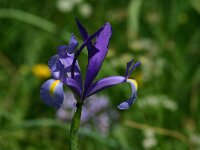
{"type": "Point", "coordinates": [74, 128]}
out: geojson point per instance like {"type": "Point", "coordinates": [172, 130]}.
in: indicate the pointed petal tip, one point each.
{"type": "Point", "coordinates": [108, 24]}
{"type": "Point", "coordinates": [127, 104]}
{"type": "Point", "coordinates": [130, 67]}
{"type": "Point", "coordinates": [73, 43]}
{"type": "Point", "coordinates": [123, 106]}
{"type": "Point", "coordinates": [131, 61]}
{"type": "Point", "coordinates": [82, 30]}
{"type": "Point", "coordinates": [138, 63]}
{"type": "Point", "coordinates": [108, 27]}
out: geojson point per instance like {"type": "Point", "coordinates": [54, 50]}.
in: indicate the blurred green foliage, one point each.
{"type": "Point", "coordinates": [163, 34]}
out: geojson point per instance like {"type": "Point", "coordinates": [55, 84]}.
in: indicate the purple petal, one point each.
{"type": "Point", "coordinates": [57, 69]}
{"type": "Point", "coordinates": [130, 67]}
{"type": "Point", "coordinates": [110, 81]}
{"type": "Point", "coordinates": [133, 67]}
{"type": "Point", "coordinates": [85, 36]}
{"type": "Point", "coordinates": [66, 60]}
{"type": "Point", "coordinates": [52, 93]}
{"type": "Point", "coordinates": [62, 51]}
{"type": "Point", "coordinates": [72, 44]}
{"type": "Point", "coordinates": [97, 54]}
{"type": "Point", "coordinates": [87, 42]}
{"type": "Point", "coordinates": [74, 86]}
{"type": "Point", "coordinates": [105, 83]}
{"type": "Point", "coordinates": [52, 63]}
{"type": "Point", "coordinates": [126, 104]}
{"type": "Point", "coordinates": [82, 30]}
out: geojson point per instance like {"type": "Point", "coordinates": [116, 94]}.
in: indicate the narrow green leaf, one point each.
{"type": "Point", "coordinates": [133, 18]}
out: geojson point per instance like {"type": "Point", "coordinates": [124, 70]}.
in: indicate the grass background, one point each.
{"type": "Point", "coordinates": [163, 35]}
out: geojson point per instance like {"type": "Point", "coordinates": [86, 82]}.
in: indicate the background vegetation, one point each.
{"type": "Point", "coordinates": [163, 34]}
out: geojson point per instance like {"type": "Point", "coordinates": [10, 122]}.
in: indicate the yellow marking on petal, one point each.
{"type": "Point", "coordinates": [53, 86]}
{"type": "Point", "coordinates": [134, 82]}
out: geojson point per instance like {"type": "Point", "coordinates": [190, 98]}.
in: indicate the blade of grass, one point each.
{"type": "Point", "coordinates": [38, 123]}
{"type": "Point", "coordinates": [177, 135]}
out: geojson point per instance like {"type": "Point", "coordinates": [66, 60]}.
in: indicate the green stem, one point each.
{"type": "Point", "coordinates": [74, 128]}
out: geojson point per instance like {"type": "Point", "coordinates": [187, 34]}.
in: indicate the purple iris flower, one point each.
{"type": "Point", "coordinates": [66, 71]}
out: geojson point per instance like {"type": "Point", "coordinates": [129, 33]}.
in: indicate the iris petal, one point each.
{"type": "Point", "coordinates": [126, 104]}
{"type": "Point", "coordinates": [52, 62]}
{"type": "Point", "coordinates": [52, 93]}
{"type": "Point", "coordinates": [133, 67]}
{"type": "Point", "coordinates": [74, 86]}
{"type": "Point", "coordinates": [82, 30]}
{"type": "Point", "coordinates": [130, 67]}
{"type": "Point", "coordinates": [87, 42]}
{"type": "Point", "coordinates": [66, 60]}
{"type": "Point", "coordinates": [72, 44]}
{"type": "Point", "coordinates": [114, 80]}
{"type": "Point", "coordinates": [105, 83]}
{"type": "Point", "coordinates": [97, 54]}
{"type": "Point", "coordinates": [56, 67]}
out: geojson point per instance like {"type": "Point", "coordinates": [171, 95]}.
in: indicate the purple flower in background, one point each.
{"type": "Point", "coordinates": [96, 113]}
{"type": "Point", "coordinates": [66, 71]}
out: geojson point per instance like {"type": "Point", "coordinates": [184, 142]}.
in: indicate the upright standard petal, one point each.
{"type": "Point", "coordinates": [66, 60]}
{"type": "Point", "coordinates": [52, 93]}
{"type": "Point", "coordinates": [72, 44]}
{"type": "Point", "coordinates": [133, 67]}
{"type": "Point", "coordinates": [130, 67]}
{"type": "Point", "coordinates": [82, 30]}
{"type": "Point", "coordinates": [52, 63]}
{"type": "Point", "coordinates": [56, 68]}
{"type": "Point", "coordinates": [85, 36]}
{"type": "Point", "coordinates": [97, 54]}
{"type": "Point", "coordinates": [87, 42]}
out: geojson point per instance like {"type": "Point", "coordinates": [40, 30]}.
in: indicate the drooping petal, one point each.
{"type": "Point", "coordinates": [114, 80]}
{"type": "Point", "coordinates": [126, 104]}
{"type": "Point", "coordinates": [52, 93]}
{"type": "Point", "coordinates": [97, 54]}
{"type": "Point", "coordinates": [104, 83]}
{"type": "Point", "coordinates": [74, 86]}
